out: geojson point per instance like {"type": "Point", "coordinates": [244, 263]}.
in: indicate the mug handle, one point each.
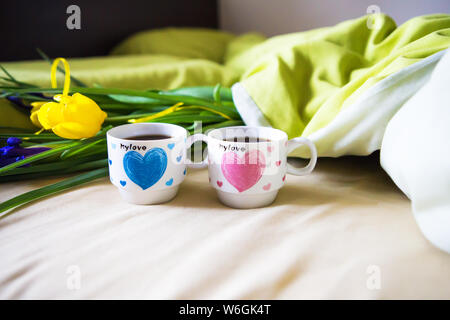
{"type": "Point", "coordinates": [294, 144]}
{"type": "Point", "coordinates": [189, 142]}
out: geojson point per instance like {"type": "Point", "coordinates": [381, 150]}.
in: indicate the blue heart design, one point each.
{"type": "Point", "coordinates": [123, 183]}
{"type": "Point", "coordinates": [146, 170]}
{"type": "Point", "coordinates": [179, 158]}
{"type": "Point", "coordinates": [184, 172]}
{"type": "Point", "coordinates": [110, 162]}
{"type": "Point", "coordinates": [169, 183]}
{"type": "Point", "coordinates": [113, 145]}
{"type": "Point", "coordinates": [171, 145]}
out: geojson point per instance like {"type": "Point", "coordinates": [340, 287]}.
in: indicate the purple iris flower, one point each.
{"type": "Point", "coordinates": [13, 152]}
{"type": "Point", "coordinates": [19, 101]}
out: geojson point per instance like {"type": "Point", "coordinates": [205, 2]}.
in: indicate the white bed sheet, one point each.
{"type": "Point", "coordinates": [345, 231]}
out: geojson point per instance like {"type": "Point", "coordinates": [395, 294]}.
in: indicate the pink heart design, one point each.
{"type": "Point", "coordinates": [243, 173]}
{"type": "Point", "coordinates": [278, 163]}
{"type": "Point", "coordinates": [219, 183]}
{"type": "Point", "coordinates": [284, 177]}
{"type": "Point", "coordinates": [267, 187]}
{"type": "Point", "coordinates": [269, 149]}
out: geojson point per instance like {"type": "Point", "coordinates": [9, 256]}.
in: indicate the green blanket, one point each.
{"type": "Point", "coordinates": [299, 81]}
{"type": "Point", "coordinates": [159, 59]}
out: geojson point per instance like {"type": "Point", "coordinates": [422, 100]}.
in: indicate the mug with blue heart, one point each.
{"type": "Point", "coordinates": [147, 161]}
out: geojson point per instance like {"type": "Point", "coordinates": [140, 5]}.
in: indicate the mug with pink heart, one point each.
{"type": "Point", "coordinates": [248, 165]}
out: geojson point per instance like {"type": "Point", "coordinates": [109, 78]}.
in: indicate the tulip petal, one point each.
{"type": "Point", "coordinates": [37, 105]}
{"type": "Point", "coordinates": [50, 114]}
{"type": "Point", "coordinates": [84, 110]}
{"type": "Point", "coordinates": [75, 130]}
{"type": "Point", "coordinates": [34, 112]}
{"type": "Point", "coordinates": [34, 119]}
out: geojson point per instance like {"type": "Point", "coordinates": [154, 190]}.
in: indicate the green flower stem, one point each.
{"type": "Point", "coordinates": [101, 151]}
{"type": "Point", "coordinates": [127, 117]}
{"type": "Point", "coordinates": [216, 94]}
{"type": "Point", "coordinates": [38, 175]}
{"type": "Point", "coordinates": [51, 189]}
{"type": "Point", "coordinates": [19, 130]}
{"type": "Point", "coordinates": [53, 166]}
{"type": "Point", "coordinates": [228, 104]}
{"type": "Point", "coordinates": [76, 151]}
{"type": "Point", "coordinates": [197, 115]}
{"type": "Point", "coordinates": [188, 100]}
{"type": "Point", "coordinates": [32, 136]}
{"type": "Point", "coordinates": [46, 144]}
{"type": "Point", "coordinates": [26, 144]}
{"type": "Point", "coordinates": [46, 58]}
{"type": "Point", "coordinates": [13, 80]}
{"type": "Point", "coordinates": [122, 107]}
{"type": "Point", "coordinates": [204, 92]}
{"type": "Point", "coordinates": [34, 98]}
{"type": "Point", "coordinates": [174, 119]}
{"type": "Point", "coordinates": [46, 154]}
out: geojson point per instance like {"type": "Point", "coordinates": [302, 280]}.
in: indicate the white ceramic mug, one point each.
{"type": "Point", "coordinates": [148, 171]}
{"type": "Point", "coordinates": [249, 174]}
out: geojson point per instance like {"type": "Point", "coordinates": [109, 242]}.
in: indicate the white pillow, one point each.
{"type": "Point", "coordinates": [415, 152]}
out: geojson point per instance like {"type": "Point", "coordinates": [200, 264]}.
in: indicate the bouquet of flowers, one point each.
{"type": "Point", "coordinates": [71, 125]}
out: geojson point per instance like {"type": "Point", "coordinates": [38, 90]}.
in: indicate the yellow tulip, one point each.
{"type": "Point", "coordinates": [70, 117]}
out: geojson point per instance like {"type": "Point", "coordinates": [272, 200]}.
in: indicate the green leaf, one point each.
{"type": "Point", "coordinates": [47, 153]}
{"type": "Point", "coordinates": [32, 98]}
{"type": "Point", "coordinates": [51, 189]}
{"type": "Point", "coordinates": [19, 130]}
{"type": "Point", "coordinates": [189, 118]}
{"type": "Point", "coordinates": [187, 100]}
{"type": "Point", "coordinates": [38, 156]}
{"type": "Point", "coordinates": [25, 136]}
{"type": "Point", "coordinates": [123, 107]}
{"type": "Point", "coordinates": [216, 93]}
{"type": "Point", "coordinates": [203, 92]}
{"type": "Point", "coordinates": [69, 153]}
{"type": "Point", "coordinates": [17, 83]}
{"type": "Point", "coordinates": [141, 113]}
{"type": "Point", "coordinates": [47, 143]}
{"type": "Point", "coordinates": [229, 123]}
{"type": "Point", "coordinates": [10, 78]}
{"type": "Point", "coordinates": [58, 165]}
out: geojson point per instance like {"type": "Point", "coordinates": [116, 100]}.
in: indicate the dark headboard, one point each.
{"type": "Point", "coordinates": [27, 25]}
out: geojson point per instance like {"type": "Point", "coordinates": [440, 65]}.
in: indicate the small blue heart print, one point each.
{"type": "Point", "coordinates": [169, 183]}
{"type": "Point", "coordinates": [146, 170]}
{"type": "Point", "coordinates": [110, 162]}
{"type": "Point", "coordinates": [113, 145]}
{"type": "Point", "coordinates": [123, 183]}
{"type": "Point", "coordinates": [184, 172]}
{"type": "Point", "coordinates": [179, 158]}
{"type": "Point", "coordinates": [171, 145]}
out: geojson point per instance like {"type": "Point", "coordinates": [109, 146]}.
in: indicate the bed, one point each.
{"type": "Point", "coordinates": [343, 232]}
